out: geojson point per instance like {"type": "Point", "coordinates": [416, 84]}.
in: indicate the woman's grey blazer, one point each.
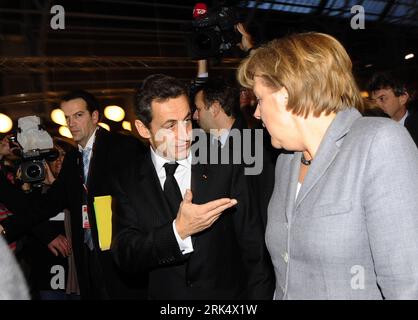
{"type": "Point", "coordinates": [352, 231]}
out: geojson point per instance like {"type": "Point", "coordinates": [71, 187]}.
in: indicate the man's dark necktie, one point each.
{"type": "Point", "coordinates": [171, 188]}
{"type": "Point", "coordinates": [219, 143]}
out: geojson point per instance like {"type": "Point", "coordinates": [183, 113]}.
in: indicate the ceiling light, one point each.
{"type": "Point", "coordinates": [364, 94]}
{"type": "Point", "coordinates": [6, 124]}
{"type": "Point", "coordinates": [57, 115]}
{"type": "Point", "coordinates": [409, 56]}
{"type": "Point", "coordinates": [104, 125]}
{"type": "Point", "coordinates": [127, 125]}
{"type": "Point", "coordinates": [65, 132]}
{"type": "Point", "coordinates": [114, 113]}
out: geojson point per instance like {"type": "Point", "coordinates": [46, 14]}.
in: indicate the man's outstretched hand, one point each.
{"type": "Point", "coordinates": [193, 218]}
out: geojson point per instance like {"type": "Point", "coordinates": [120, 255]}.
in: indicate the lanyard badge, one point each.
{"type": "Point", "coordinates": [85, 216]}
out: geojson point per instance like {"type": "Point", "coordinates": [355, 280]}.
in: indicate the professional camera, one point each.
{"type": "Point", "coordinates": [35, 146]}
{"type": "Point", "coordinates": [213, 33]}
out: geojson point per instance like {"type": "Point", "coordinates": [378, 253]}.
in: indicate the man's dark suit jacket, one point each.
{"type": "Point", "coordinates": [261, 184]}
{"type": "Point", "coordinates": [411, 124]}
{"type": "Point", "coordinates": [108, 156]}
{"type": "Point", "coordinates": [229, 258]}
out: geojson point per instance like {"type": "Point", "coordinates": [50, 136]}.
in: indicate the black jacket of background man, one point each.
{"type": "Point", "coordinates": [411, 124]}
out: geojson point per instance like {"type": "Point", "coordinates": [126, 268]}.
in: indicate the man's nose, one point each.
{"type": "Point", "coordinates": [183, 131]}
{"type": "Point", "coordinates": [70, 122]}
{"type": "Point", "coordinates": [196, 115]}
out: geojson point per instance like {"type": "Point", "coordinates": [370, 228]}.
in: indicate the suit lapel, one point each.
{"type": "Point", "coordinates": [199, 185]}
{"type": "Point", "coordinates": [327, 151]}
{"type": "Point", "coordinates": [98, 152]}
{"type": "Point", "coordinates": [317, 170]}
{"type": "Point", "coordinates": [292, 183]}
{"type": "Point", "coordinates": [199, 177]}
{"type": "Point", "coordinates": [150, 186]}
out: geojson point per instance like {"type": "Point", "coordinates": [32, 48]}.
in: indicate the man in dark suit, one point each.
{"type": "Point", "coordinates": [207, 245]}
{"type": "Point", "coordinates": [84, 175]}
{"type": "Point", "coordinates": [218, 113]}
{"type": "Point", "coordinates": [392, 96]}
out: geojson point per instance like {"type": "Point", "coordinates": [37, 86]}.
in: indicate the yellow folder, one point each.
{"type": "Point", "coordinates": [103, 211]}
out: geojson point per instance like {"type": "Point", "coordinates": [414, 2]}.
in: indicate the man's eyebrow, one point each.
{"type": "Point", "coordinates": [82, 111]}
{"type": "Point", "coordinates": [173, 120]}
{"type": "Point", "coordinates": [169, 121]}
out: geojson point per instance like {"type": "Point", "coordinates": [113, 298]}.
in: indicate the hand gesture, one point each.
{"type": "Point", "coordinates": [193, 218]}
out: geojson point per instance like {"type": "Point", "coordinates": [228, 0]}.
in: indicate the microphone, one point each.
{"type": "Point", "coordinates": [200, 10]}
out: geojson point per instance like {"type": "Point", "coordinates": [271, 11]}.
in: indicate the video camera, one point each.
{"type": "Point", "coordinates": [33, 145]}
{"type": "Point", "coordinates": [213, 33]}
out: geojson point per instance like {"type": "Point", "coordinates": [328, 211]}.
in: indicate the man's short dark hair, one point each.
{"type": "Point", "coordinates": [91, 101]}
{"type": "Point", "coordinates": [387, 81]}
{"type": "Point", "coordinates": [223, 92]}
{"type": "Point", "coordinates": [159, 87]}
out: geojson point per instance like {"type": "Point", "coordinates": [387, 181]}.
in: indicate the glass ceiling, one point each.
{"type": "Point", "coordinates": [389, 11]}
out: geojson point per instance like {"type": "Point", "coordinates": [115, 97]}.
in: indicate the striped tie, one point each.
{"type": "Point", "coordinates": [86, 155]}
{"type": "Point", "coordinates": [87, 232]}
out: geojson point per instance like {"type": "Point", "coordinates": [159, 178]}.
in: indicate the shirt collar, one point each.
{"type": "Point", "coordinates": [89, 143]}
{"type": "Point", "coordinates": [222, 137]}
{"type": "Point", "coordinates": [160, 161]}
{"type": "Point", "coordinates": [402, 121]}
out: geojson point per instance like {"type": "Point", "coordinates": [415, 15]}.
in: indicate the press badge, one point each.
{"type": "Point", "coordinates": [84, 212]}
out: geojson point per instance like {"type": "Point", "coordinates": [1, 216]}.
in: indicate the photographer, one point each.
{"type": "Point", "coordinates": [32, 250]}
{"type": "Point", "coordinates": [215, 109]}
{"type": "Point", "coordinates": [246, 45]}
{"type": "Point", "coordinates": [85, 175]}
{"type": "Point", "coordinates": [8, 169]}
{"type": "Point", "coordinates": [49, 243]}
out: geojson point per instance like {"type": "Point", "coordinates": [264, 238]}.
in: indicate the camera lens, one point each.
{"type": "Point", "coordinates": [33, 171]}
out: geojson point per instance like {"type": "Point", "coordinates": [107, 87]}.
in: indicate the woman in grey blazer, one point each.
{"type": "Point", "coordinates": [343, 217]}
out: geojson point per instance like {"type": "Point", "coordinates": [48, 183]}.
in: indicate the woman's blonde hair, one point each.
{"type": "Point", "coordinates": [314, 68]}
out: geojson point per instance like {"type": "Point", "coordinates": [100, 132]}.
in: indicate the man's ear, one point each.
{"type": "Point", "coordinates": [142, 129]}
{"type": "Point", "coordinates": [215, 108]}
{"type": "Point", "coordinates": [95, 116]}
{"type": "Point", "coordinates": [403, 98]}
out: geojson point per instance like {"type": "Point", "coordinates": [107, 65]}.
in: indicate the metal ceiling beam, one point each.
{"type": "Point", "coordinates": [321, 7]}
{"type": "Point", "coordinates": [15, 65]}
{"type": "Point", "coordinates": [97, 16]}
{"type": "Point", "coordinates": [386, 10]}
{"type": "Point", "coordinates": [84, 59]}
{"type": "Point", "coordinates": [149, 4]}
